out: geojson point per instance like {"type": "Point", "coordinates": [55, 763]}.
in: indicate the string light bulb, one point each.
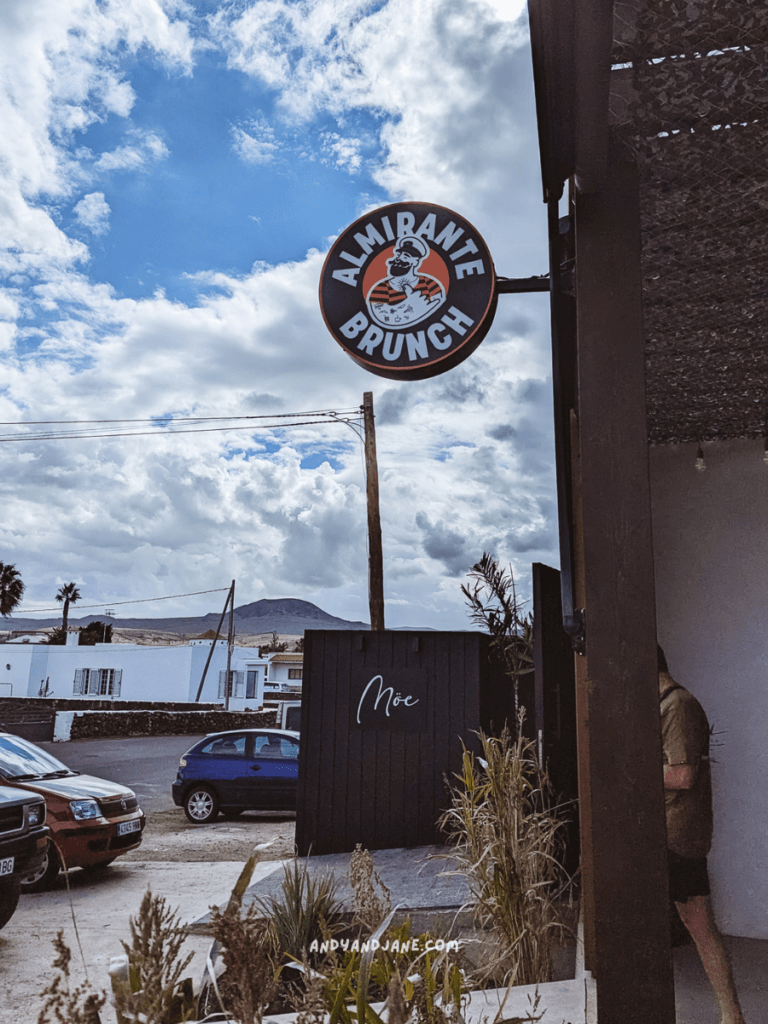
{"type": "Point", "coordinates": [700, 464]}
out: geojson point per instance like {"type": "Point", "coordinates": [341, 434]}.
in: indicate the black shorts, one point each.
{"type": "Point", "coordinates": [687, 877]}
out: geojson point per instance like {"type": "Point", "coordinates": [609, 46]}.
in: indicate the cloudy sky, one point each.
{"type": "Point", "coordinates": [173, 172]}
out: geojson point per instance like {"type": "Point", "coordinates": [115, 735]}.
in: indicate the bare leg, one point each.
{"type": "Point", "coordinates": [696, 914]}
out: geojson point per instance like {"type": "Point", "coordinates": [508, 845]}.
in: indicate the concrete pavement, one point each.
{"type": "Point", "coordinates": [101, 908]}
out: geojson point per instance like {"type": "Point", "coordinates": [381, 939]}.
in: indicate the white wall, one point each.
{"type": "Point", "coordinates": [278, 672]}
{"type": "Point", "coordinates": [243, 658]}
{"type": "Point", "coordinates": [710, 535]}
{"type": "Point", "coordinates": [15, 661]}
{"type": "Point", "coordinates": [162, 673]}
{"type": "Point", "coordinates": [149, 673]}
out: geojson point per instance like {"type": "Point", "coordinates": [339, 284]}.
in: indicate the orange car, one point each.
{"type": "Point", "coordinates": [92, 821]}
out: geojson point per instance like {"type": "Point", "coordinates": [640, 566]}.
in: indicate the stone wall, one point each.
{"type": "Point", "coordinates": [40, 719]}
{"type": "Point", "coordinates": [101, 724]}
{"type": "Point", "coordinates": [33, 705]}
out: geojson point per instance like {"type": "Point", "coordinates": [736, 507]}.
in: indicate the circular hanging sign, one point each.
{"type": "Point", "coordinates": [409, 290]}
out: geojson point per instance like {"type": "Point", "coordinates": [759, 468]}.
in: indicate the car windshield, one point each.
{"type": "Point", "coordinates": [20, 759]}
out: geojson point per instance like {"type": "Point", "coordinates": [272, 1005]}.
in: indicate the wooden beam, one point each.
{"type": "Point", "coordinates": [625, 812]}
{"type": "Point", "coordinates": [582, 715]}
{"type": "Point", "coordinates": [375, 559]}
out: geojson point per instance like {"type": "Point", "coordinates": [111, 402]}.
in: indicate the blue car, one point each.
{"type": "Point", "coordinates": [240, 770]}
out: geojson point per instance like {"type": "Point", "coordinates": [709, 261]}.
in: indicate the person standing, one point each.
{"type": "Point", "coordinates": [685, 737]}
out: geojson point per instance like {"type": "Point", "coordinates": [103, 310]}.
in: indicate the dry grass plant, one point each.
{"type": "Point", "coordinates": [155, 992]}
{"type": "Point", "coordinates": [373, 900]}
{"type": "Point", "coordinates": [63, 1004]}
{"type": "Point", "coordinates": [309, 1002]}
{"type": "Point", "coordinates": [250, 981]}
{"type": "Point", "coordinates": [507, 838]}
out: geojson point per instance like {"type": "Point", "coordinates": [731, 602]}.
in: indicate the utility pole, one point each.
{"type": "Point", "coordinates": [230, 644]}
{"type": "Point", "coordinates": [375, 560]}
{"type": "Point", "coordinates": [230, 597]}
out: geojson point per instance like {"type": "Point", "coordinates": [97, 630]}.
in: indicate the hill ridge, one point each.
{"type": "Point", "coordinates": [279, 615]}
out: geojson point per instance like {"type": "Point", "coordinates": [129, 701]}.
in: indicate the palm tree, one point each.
{"type": "Point", "coordinates": [11, 588]}
{"type": "Point", "coordinates": [69, 594]}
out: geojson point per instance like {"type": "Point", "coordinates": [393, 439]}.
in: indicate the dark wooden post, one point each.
{"type": "Point", "coordinates": [625, 812]}
{"type": "Point", "coordinates": [375, 560]}
{"type": "Point", "coordinates": [230, 644]}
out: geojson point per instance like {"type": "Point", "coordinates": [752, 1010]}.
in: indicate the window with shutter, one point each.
{"type": "Point", "coordinates": [78, 688]}
{"type": "Point", "coordinates": [239, 683]}
{"type": "Point", "coordinates": [251, 683]}
{"type": "Point", "coordinates": [222, 689]}
{"type": "Point", "coordinates": [117, 678]}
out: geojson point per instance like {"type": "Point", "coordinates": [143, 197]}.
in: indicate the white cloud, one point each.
{"type": "Point", "coordinates": [465, 460]}
{"type": "Point", "coordinates": [145, 148]}
{"type": "Point", "coordinates": [258, 145]}
{"type": "Point", "coordinates": [146, 515]}
{"type": "Point", "coordinates": [344, 153]}
{"type": "Point", "coordinates": [62, 71]}
{"type": "Point", "coordinates": [93, 213]}
{"type": "Point", "coordinates": [449, 82]}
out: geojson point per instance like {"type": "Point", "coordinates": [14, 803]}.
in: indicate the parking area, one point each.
{"type": "Point", "coordinates": [193, 866]}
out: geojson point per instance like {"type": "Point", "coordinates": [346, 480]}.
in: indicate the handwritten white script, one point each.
{"type": "Point", "coordinates": [393, 700]}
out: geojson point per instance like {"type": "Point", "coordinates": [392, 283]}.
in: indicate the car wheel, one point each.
{"type": "Point", "coordinates": [201, 805]}
{"type": "Point", "coordinates": [46, 874]}
{"type": "Point", "coordinates": [10, 890]}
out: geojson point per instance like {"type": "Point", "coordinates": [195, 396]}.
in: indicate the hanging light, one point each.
{"type": "Point", "coordinates": [700, 464]}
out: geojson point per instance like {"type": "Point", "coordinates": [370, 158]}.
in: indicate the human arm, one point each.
{"type": "Point", "coordinates": [685, 738]}
{"type": "Point", "coordinates": [679, 776]}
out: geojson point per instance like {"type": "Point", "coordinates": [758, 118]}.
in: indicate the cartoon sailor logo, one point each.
{"type": "Point", "coordinates": [405, 297]}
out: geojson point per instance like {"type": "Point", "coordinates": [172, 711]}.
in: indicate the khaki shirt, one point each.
{"type": "Point", "coordinates": [685, 740]}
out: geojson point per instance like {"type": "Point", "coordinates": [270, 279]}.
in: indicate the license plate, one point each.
{"type": "Point", "coordinates": [6, 866]}
{"type": "Point", "coordinates": [124, 827]}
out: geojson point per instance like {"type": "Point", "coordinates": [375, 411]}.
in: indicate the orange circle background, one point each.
{"type": "Point", "coordinates": [433, 264]}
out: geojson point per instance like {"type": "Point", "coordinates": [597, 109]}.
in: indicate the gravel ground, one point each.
{"type": "Point", "coordinates": [168, 836]}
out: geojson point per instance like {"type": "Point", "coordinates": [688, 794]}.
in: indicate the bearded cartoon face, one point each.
{"type": "Point", "coordinates": [405, 297]}
{"type": "Point", "coordinates": [407, 257]}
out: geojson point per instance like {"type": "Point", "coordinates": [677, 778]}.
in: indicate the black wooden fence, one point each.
{"type": "Point", "coordinates": [383, 720]}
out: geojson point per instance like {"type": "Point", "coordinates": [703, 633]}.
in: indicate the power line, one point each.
{"type": "Point", "coordinates": [179, 419]}
{"type": "Point", "coordinates": [138, 600]}
{"type": "Point", "coordinates": [52, 436]}
{"type": "Point", "coordinates": [163, 427]}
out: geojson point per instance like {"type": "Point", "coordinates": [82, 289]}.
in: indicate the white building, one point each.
{"type": "Point", "coordinates": [134, 672]}
{"type": "Point", "coordinates": [285, 673]}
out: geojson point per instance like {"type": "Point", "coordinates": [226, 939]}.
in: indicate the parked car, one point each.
{"type": "Point", "coordinates": [23, 844]}
{"type": "Point", "coordinates": [92, 821]}
{"type": "Point", "coordinates": [289, 715]}
{"type": "Point", "coordinates": [239, 770]}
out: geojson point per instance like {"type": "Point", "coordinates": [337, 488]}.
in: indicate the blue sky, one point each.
{"type": "Point", "coordinates": [173, 174]}
{"type": "Point", "coordinates": [205, 205]}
